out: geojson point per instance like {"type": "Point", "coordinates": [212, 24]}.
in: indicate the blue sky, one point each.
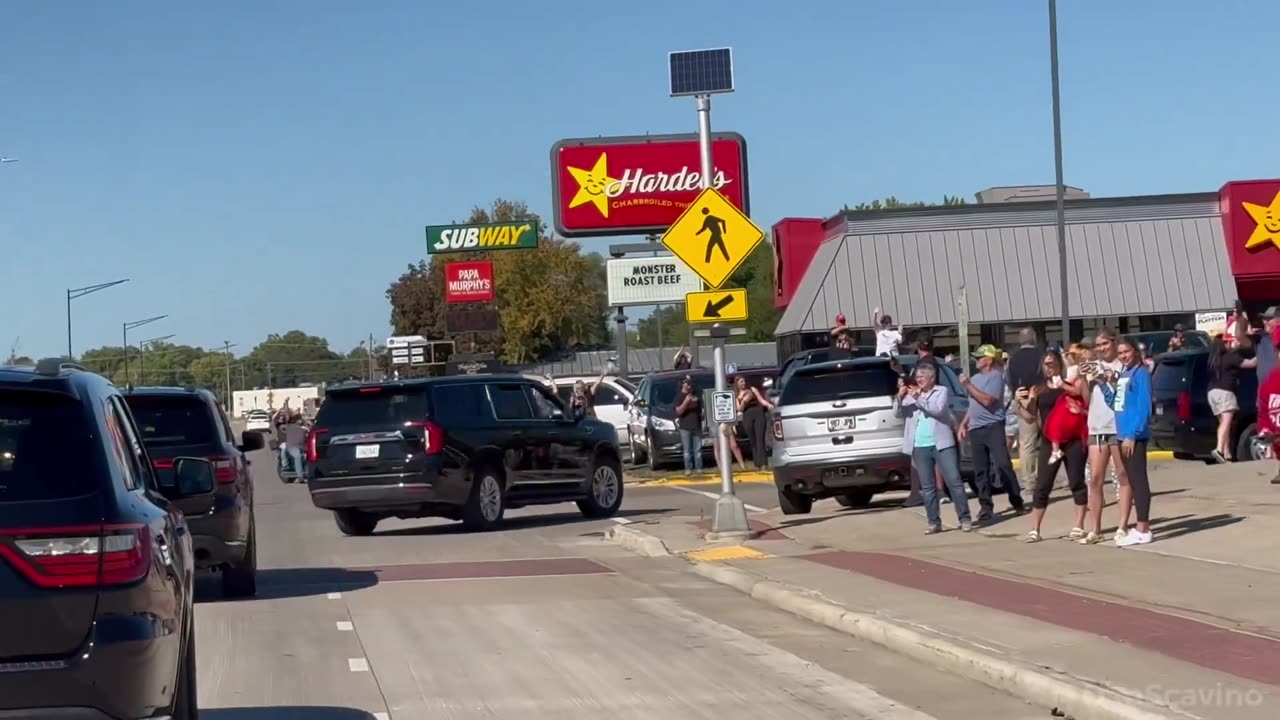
{"type": "Point", "coordinates": [259, 166]}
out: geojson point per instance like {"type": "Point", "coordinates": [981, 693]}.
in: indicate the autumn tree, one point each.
{"type": "Point", "coordinates": [548, 299]}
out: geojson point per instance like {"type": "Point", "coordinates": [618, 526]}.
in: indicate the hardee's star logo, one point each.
{"type": "Point", "coordinates": [1268, 219]}
{"type": "Point", "coordinates": [592, 184]}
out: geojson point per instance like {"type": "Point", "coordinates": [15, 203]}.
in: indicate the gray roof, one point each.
{"type": "Point", "coordinates": [646, 360]}
{"type": "Point", "coordinates": [1167, 252]}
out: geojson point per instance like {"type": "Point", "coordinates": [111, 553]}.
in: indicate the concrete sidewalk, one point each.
{"type": "Point", "coordinates": [1188, 626]}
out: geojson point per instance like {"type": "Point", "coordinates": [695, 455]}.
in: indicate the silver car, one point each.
{"type": "Point", "coordinates": [835, 433]}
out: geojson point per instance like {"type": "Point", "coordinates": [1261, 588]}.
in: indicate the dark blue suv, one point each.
{"type": "Point", "coordinates": [96, 562]}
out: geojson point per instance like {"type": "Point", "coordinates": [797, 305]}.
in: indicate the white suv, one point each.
{"type": "Point", "coordinates": [613, 396]}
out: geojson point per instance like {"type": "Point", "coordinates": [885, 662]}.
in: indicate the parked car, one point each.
{"type": "Point", "coordinates": [612, 401]}
{"type": "Point", "coordinates": [1156, 342]}
{"type": "Point", "coordinates": [96, 562]}
{"type": "Point", "coordinates": [463, 447]}
{"type": "Point", "coordinates": [188, 422]}
{"type": "Point", "coordinates": [651, 423]}
{"type": "Point", "coordinates": [1183, 422]}
{"type": "Point", "coordinates": [835, 433]}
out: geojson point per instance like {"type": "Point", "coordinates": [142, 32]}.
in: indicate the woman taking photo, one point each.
{"type": "Point", "coordinates": [1038, 403]}
{"type": "Point", "coordinates": [931, 442]}
{"type": "Point", "coordinates": [753, 407]}
{"type": "Point", "coordinates": [1225, 364]}
{"type": "Point", "coordinates": [1131, 399]}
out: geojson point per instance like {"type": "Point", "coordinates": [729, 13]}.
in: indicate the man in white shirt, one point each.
{"type": "Point", "coordinates": [887, 338]}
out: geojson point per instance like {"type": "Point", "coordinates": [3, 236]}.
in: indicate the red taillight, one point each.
{"type": "Point", "coordinates": [313, 453]}
{"type": "Point", "coordinates": [370, 389]}
{"type": "Point", "coordinates": [224, 468]}
{"type": "Point", "coordinates": [777, 428]}
{"type": "Point", "coordinates": [80, 556]}
{"type": "Point", "coordinates": [1184, 406]}
{"type": "Point", "coordinates": [432, 436]}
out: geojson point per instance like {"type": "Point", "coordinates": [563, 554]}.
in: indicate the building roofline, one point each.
{"type": "Point", "coordinates": [1023, 206]}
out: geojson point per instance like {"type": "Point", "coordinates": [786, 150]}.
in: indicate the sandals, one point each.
{"type": "Point", "coordinates": [1076, 533]}
{"type": "Point", "coordinates": [1032, 537]}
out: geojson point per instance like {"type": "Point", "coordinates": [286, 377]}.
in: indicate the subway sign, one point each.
{"type": "Point", "coordinates": [521, 235]}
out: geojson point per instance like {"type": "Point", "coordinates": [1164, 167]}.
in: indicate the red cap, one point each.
{"type": "Point", "coordinates": [840, 319]}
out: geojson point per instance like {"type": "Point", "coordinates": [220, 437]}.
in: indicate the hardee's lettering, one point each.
{"type": "Point", "coordinates": [685, 180]}
{"type": "Point", "coordinates": [494, 236]}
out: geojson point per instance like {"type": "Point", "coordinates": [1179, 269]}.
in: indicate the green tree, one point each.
{"type": "Point", "coordinates": [294, 358]}
{"type": "Point", "coordinates": [210, 371]}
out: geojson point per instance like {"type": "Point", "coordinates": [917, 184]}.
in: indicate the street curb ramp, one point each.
{"type": "Point", "coordinates": [1043, 686]}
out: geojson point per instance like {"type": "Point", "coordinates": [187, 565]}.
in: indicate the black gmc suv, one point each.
{"type": "Point", "coordinates": [466, 447]}
{"type": "Point", "coordinates": [96, 563]}
{"type": "Point", "coordinates": [188, 422]}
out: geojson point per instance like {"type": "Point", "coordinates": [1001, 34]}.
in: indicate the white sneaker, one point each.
{"type": "Point", "coordinates": [1134, 538]}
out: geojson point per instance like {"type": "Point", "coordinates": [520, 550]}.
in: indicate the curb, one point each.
{"type": "Point", "coordinates": [1074, 696]}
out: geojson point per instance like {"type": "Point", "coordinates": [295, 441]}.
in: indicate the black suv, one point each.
{"type": "Point", "coordinates": [96, 563]}
{"type": "Point", "coordinates": [466, 447]}
{"type": "Point", "coordinates": [188, 422]}
{"type": "Point", "coordinates": [1183, 422]}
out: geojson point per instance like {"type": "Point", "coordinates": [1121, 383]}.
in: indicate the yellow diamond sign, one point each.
{"type": "Point", "coordinates": [712, 237]}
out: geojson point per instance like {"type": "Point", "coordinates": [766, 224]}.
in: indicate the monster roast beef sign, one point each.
{"type": "Point", "coordinates": [639, 185]}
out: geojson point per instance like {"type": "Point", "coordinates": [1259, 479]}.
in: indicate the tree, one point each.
{"type": "Point", "coordinates": [295, 358]}
{"type": "Point", "coordinates": [210, 371]}
{"type": "Point", "coordinates": [893, 203]}
{"type": "Point", "coordinates": [548, 299]}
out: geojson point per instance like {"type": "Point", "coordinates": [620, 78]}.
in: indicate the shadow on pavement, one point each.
{"type": "Point", "coordinates": [289, 583]}
{"type": "Point", "coordinates": [285, 712]}
{"type": "Point", "coordinates": [523, 522]}
{"type": "Point", "coordinates": [1169, 528]}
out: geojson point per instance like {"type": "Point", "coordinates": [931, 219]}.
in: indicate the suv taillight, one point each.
{"type": "Point", "coordinates": [313, 453]}
{"type": "Point", "coordinates": [1184, 406]}
{"type": "Point", "coordinates": [80, 556]}
{"type": "Point", "coordinates": [224, 468]}
{"type": "Point", "coordinates": [432, 436]}
{"type": "Point", "coordinates": [777, 428]}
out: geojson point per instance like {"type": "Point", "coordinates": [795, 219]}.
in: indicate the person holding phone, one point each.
{"type": "Point", "coordinates": [1038, 403]}
{"type": "Point", "coordinates": [930, 441]}
{"type": "Point", "coordinates": [1131, 400]}
{"type": "Point", "coordinates": [1024, 373]}
{"type": "Point", "coordinates": [1104, 447]}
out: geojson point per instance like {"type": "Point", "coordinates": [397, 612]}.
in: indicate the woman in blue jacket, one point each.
{"type": "Point", "coordinates": [1131, 399]}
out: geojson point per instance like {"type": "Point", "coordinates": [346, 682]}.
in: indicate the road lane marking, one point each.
{"type": "Point", "coordinates": [358, 664]}
{"type": "Point", "coordinates": [334, 596]}
{"type": "Point", "coordinates": [714, 496]}
{"type": "Point", "coordinates": [345, 626]}
{"type": "Point", "coordinates": [621, 520]}
{"type": "Point", "coordinates": [381, 716]}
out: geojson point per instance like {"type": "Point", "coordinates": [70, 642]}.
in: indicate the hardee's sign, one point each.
{"type": "Point", "coordinates": [641, 184]}
{"type": "Point", "coordinates": [1250, 212]}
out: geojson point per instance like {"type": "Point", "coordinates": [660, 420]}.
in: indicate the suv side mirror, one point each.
{"type": "Point", "coordinates": [192, 476]}
{"type": "Point", "coordinates": [251, 440]}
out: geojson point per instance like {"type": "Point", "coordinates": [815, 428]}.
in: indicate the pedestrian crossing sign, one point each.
{"type": "Point", "coordinates": [712, 237]}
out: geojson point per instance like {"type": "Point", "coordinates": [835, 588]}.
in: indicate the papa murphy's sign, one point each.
{"type": "Point", "coordinates": [488, 236]}
{"type": "Point", "coordinates": [468, 282]}
{"type": "Point", "coordinates": [638, 185]}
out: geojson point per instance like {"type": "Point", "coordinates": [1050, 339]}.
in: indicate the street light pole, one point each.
{"type": "Point", "coordinates": [1061, 189]}
{"type": "Point", "coordinates": [142, 356]}
{"type": "Point", "coordinates": [73, 293]}
{"type": "Point", "coordinates": [126, 327]}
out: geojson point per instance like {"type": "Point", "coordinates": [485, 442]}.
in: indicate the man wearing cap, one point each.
{"type": "Point", "coordinates": [1179, 339]}
{"type": "Point", "coordinates": [983, 426]}
{"type": "Point", "coordinates": [841, 340]}
{"type": "Point", "coordinates": [1266, 350]}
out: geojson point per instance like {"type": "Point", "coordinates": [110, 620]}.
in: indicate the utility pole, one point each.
{"type": "Point", "coordinates": [226, 399]}
{"type": "Point", "coordinates": [370, 349]}
{"type": "Point", "coordinates": [1060, 189]}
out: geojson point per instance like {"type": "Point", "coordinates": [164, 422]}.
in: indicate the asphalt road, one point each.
{"type": "Point", "coordinates": [539, 620]}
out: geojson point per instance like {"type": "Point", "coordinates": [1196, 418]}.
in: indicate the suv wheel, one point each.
{"type": "Point", "coordinates": [184, 695]}
{"type": "Point", "coordinates": [651, 457]}
{"type": "Point", "coordinates": [1244, 447]}
{"type": "Point", "coordinates": [604, 492]}
{"type": "Point", "coordinates": [355, 523]}
{"type": "Point", "coordinates": [241, 580]}
{"type": "Point", "coordinates": [486, 503]}
{"type": "Point", "coordinates": [637, 454]}
{"type": "Point", "coordinates": [792, 503]}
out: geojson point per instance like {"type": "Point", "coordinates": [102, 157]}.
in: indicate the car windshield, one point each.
{"type": "Point", "coordinates": [172, 420]}
{"type": "Point", "coordinates": [665, 389]}
{"type": "Point", "coordinates": [841, 383]}
{"type": "Point", "coordinates": [44, 448]}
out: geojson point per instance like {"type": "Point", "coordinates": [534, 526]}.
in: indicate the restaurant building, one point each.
{"type": "Point", "coordinates": [1134, 263]}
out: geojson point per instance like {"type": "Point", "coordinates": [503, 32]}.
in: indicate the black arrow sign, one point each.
{"type": "Point", "coordinates": [713, 308]}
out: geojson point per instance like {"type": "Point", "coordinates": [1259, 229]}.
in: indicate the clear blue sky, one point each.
{"type": "Point", "coordinates": [215, 152]}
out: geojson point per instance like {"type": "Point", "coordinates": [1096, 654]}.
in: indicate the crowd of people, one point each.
{"type": "Point", "coordinates": [1084, 411]}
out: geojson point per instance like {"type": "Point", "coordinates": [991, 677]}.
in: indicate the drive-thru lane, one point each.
{"type": "Point", "coordinates": [540, 619]}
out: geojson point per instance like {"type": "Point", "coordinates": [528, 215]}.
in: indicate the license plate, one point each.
{"type": "Point", "coordinates": [706, 442]}
{"type": "Point", "coordinates": [367, 451]}
{"type": "Point", "coordinates": [840, 424]}
{"type": "Point", "coordinates": [1159, 409]}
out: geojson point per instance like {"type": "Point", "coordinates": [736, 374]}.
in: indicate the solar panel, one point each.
{"type": "Point", "coordinates": [701, 72]}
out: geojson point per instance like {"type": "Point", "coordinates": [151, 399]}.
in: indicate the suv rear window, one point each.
{"type": "Point", "coordinates": [173, 420]}
{"type": "Point", "coordinates": [43, 448]}
{"type": "Point", "coordinates": [1169, 379]}
{"type": "Point", "coordinates": [843, 383]}
{"type": "Point", "coordinates": [373, 407]}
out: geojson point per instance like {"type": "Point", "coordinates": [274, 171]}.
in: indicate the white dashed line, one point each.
{"type": "Point", "coordinates": [714, 496]}
{"type": "Point", "coordinates": [621, 521]}
{"type": "Point", "coordinates": [345, 626]}
{"type": "Point", "coordinates": [334, 596]}
{"type": "Point", "coordinates": [358, 664]}
{"type": "Point", "coordinates": [382, 716]}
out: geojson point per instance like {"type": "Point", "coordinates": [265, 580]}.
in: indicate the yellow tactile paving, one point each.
{"type": "Point", "coordinates": [730, 552]}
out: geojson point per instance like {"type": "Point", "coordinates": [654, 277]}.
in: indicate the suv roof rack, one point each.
{"type": "Point", "coordinates": [53, 367]}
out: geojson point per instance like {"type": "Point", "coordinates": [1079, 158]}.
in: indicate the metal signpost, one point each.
{"type": "Point", "coordinates": [703, 73]}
